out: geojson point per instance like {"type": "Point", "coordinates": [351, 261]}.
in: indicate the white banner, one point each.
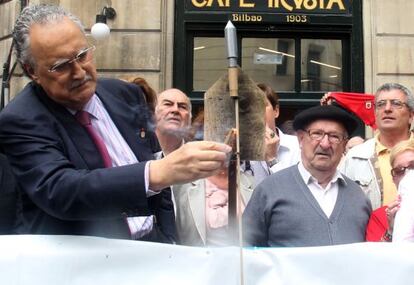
{"type": "Point", "coordinates": [61, 260]}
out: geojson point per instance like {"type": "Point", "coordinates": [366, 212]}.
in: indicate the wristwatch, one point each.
{"type": "Point", "coordinates": [272, 162]}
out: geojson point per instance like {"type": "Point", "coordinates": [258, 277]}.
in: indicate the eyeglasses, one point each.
{"type": "Point", "coordinates": [395, 104]}
{"type": "Point", "coordinates": [65, 65]}
{"type": "Point", "coordinates": [318, 135]}
{"type": "Point", "coordinates": [400, 171]}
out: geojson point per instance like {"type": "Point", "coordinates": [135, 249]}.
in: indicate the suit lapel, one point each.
{"type": "Point", "coordinates": [129, 122]}
{"type": "Point", "coordinates": [77, 134]}
{"type": "Point", "coordinates": [196, 199]}
{"type": "Point", "coordinates": [128, 119]}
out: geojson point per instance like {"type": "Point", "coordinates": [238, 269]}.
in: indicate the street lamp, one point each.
{"type": "Point", "coordinates": [100, 30]}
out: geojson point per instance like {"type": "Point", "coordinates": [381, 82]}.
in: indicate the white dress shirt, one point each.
{"type": "Point", "coordinates": [326, 197]}
{"type": "Point", "coordinates": [288, 152]}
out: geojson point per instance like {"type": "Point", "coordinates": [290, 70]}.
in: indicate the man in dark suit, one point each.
{"type": "Point", "coordinates": [92, 177]}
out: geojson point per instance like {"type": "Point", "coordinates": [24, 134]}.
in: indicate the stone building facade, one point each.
{"type": "Point", "coordinates": [140, 43]}
{"type": "Point", "coordinates": [142, 39]}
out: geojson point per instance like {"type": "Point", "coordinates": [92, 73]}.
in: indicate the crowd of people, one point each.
{"type": "Point", "coordinates": [111, 158]}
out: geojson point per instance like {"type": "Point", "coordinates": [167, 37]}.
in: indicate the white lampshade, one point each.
{"type": "Point", "coordinates": [100, 31]}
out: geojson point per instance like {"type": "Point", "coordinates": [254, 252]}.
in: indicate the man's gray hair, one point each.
{"type": "Point", "coordinates": [36, 14]}
{"type": "Point", "coordinates": [403, 89]}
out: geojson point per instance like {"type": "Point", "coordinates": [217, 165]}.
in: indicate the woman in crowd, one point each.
{"type": "Point", "coordinates": [202, 205]}
{"type": "Point", "coordinates": [150, 94]}
{"type": "Point", "coordinates": [403, 175]}
{"type": "Point", "coordinates": [381, 224]}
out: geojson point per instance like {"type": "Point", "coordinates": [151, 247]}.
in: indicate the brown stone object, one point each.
{"type": "Point", "coordinates": [219, 112]}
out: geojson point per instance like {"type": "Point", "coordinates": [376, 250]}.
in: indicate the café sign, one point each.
{"type": "Point", "coordinates": [272, 6]}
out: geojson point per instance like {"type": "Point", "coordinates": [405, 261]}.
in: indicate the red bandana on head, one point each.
{"type": "Point", "coordinates": [362, 105]}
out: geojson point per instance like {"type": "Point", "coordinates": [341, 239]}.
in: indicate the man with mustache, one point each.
{"type": "Point", "coordinates": [368, 164]}
{"type": "Point", "coordinates": [81, 148]}
{"type": "Point", "coordinates": [311, 203]}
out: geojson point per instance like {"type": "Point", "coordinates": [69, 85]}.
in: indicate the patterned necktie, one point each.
{"type": "Point", "coordinates": [84, 119]}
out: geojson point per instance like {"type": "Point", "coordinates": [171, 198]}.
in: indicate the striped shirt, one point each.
{"type": "Point", "coordinates": [121, 154]}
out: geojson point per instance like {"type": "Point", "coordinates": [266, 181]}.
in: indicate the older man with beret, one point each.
{"type": "Point", "coordinates": [311, 203]}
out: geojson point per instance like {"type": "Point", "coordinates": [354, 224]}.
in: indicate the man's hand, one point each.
{"type": "Point", "coordinates": [326, 100]}
{"type": "Point", "coordinates": [192, 161]}
{"type": "Point", "coordinates": [271, 144]}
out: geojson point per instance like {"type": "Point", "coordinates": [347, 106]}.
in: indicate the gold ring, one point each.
{"type": "Point", "coordinates": [272, 135]}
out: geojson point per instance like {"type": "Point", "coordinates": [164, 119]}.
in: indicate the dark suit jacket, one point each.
{"type": "Point", "coordinates": [8, 198]}
{"type": "Point", "coordinates": [65, 189]}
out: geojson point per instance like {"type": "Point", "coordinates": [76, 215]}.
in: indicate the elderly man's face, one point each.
{"type": "Point", "coordinates": [392, 117]}
{"type": "Point", "coordinates": [322, 153]}
{"type": "Point", "coordinates": [53, 43]}
{"type": "Point", "coordinates": [402, 162]}
{"type": "Point", "coordinates": [173, 112]}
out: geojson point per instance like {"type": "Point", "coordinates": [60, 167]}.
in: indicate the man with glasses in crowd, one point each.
{"type": "Point", "coordinates": [311, 203]}
{"type": "Point", "coordinates": [368, 164]}
{"type": "Point", "coordinates": [81, 148]}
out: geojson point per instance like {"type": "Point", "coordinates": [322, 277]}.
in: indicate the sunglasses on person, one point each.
{"type": "Point", "coordinates": [400, 171]}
